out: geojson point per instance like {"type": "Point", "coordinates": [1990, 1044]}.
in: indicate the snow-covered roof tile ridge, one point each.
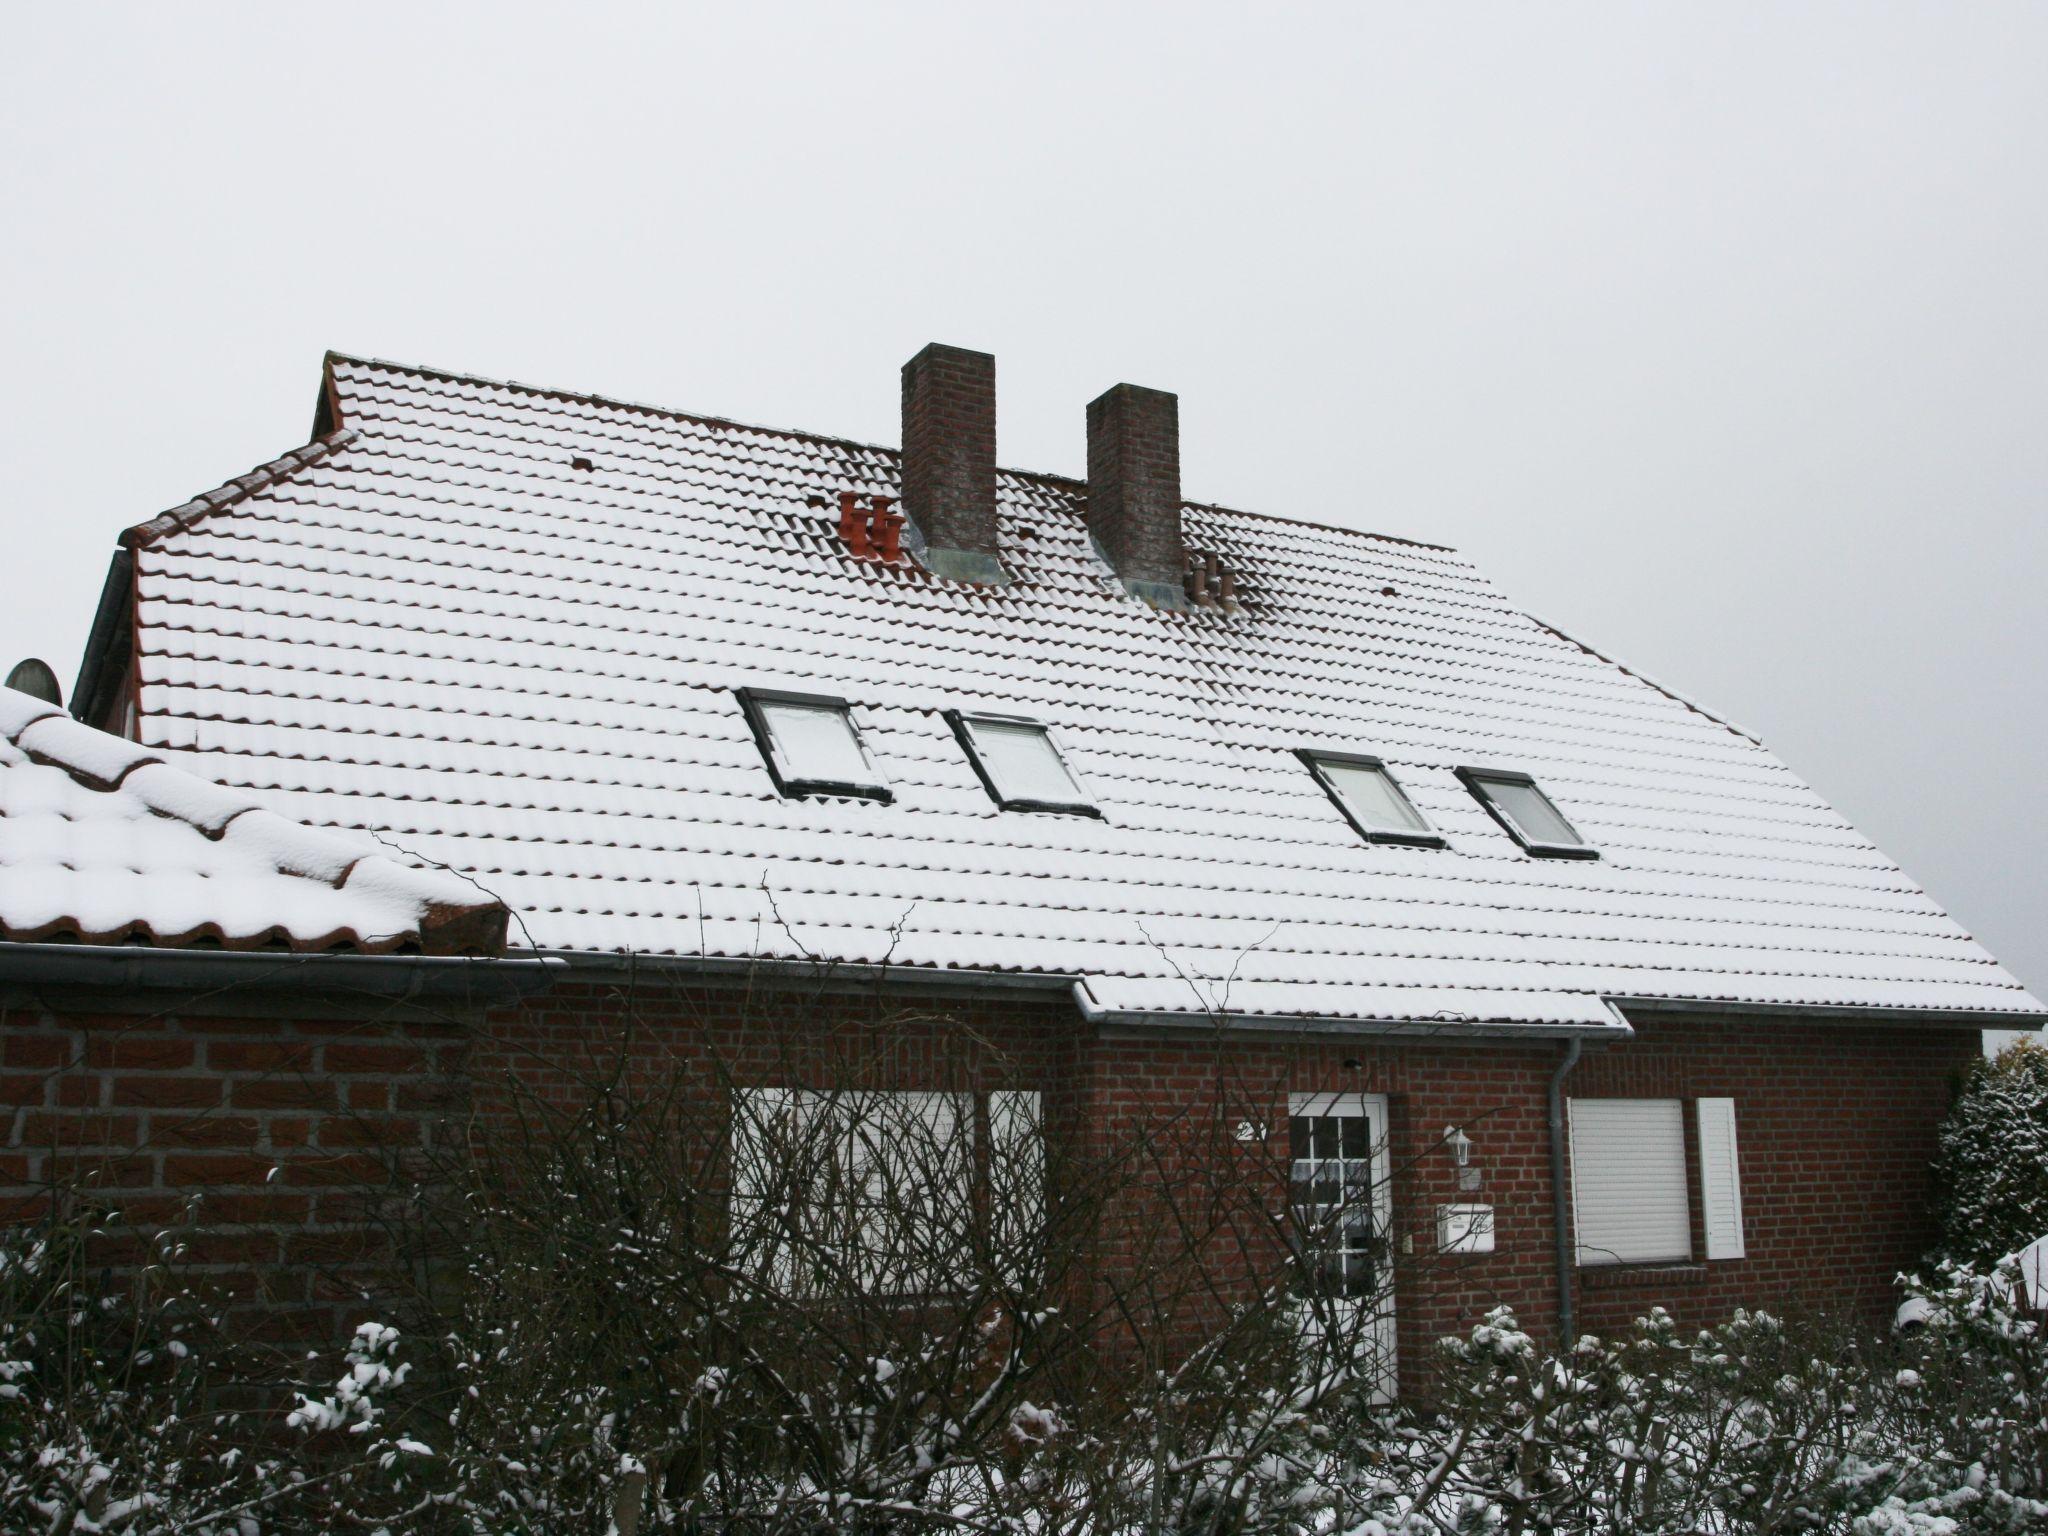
{"type": "Point", "coordinates": [505, 627]}
{"type": "Point", "coordinates": [103, 842]}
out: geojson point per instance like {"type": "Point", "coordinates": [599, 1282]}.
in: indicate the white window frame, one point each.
{"type": "Point", "coordinates": [1652, 1136]}
{"type": "Point", "coordinates": [1372, 1108]}
{"type": "Point", "coordinates": [1426, 836]}
{"type": "Point", "coordinates": [1480, 782]}
{"type": "Point", "coordinates": [790, 782]}
{"type": "Point", "coordinates": [964, 723]}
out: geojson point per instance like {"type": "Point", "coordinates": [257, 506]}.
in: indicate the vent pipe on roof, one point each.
{"type": "Point", "coordinates": [949, 461]}
{"type": "Point", "coordinates": [1134, 491]}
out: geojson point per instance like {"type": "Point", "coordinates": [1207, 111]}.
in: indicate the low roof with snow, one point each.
{"type": "Point", "coordinates": [103, 842]}
{"type": "Point", "coordinates": [435, 623]}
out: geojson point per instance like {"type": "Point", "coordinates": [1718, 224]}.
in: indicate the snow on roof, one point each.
{"type": "Point", "coordinates": [103, 842]}
{"type": "Point", "coordinates": [504, 627]}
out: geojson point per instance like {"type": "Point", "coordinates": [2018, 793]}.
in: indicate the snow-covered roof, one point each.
{"type": "Point", "coordinates": [503, 626]}
{"type": "Point", "coordinates": [103, 842]}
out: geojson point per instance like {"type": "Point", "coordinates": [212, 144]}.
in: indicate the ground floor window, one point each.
{"type": "Point", "coordinates": [1629, 1202]}
{"type": "Point", "coordinates": [1630, 1198]}
{"type": "Point", "coordinates": [883, 1192]}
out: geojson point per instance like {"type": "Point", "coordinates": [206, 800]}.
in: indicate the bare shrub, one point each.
{"type": "Point", "coordinates": [697, 1294]}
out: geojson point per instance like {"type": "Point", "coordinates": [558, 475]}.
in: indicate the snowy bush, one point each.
{"type": "Point", "coordinates": [1757, 1426]}
{"type": "Point", "coordinates": [111, 1415]}
{"type": "Point", "coordinates": [1991, 1175]}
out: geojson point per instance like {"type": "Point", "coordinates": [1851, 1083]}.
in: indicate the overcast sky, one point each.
{"type": "Point", "coordinates": [1717, 334]}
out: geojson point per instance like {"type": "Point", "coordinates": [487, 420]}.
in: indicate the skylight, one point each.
{"type": "Point", "coordinates": [812, 745]}
{"type": "Point", "coordinates": [1526, 812]}
{"type": "Point", "coordinates": [1021, 765]}
{"type": "Point", "coordinates": [1371, 800]}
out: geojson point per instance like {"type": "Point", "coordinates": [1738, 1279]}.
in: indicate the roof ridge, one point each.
{"type": "Point", "coordinates": [239, 489]}
{"type": "Point", "coordinates": [590, 397]}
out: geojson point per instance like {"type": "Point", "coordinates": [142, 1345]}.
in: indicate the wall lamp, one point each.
{"type": "Point", "coordinates": [1459, 1143]}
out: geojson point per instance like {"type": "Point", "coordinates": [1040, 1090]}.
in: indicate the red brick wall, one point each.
{"type": "Point", "coordinates": [1835, 1128]}
{"type": "Point", "coordinates": [284, 1127]}
{"type": "Point", "coordinates": [1835, 1123]}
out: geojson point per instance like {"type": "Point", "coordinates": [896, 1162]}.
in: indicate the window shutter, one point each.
{"type": "Point", "coordinates": [1628, 1181]}
{"type": "Point", "coordinates": [1720, 1179]}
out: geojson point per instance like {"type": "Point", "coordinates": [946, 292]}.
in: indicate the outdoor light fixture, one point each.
{"type": "Point", "coordinates": [1459, 1143]}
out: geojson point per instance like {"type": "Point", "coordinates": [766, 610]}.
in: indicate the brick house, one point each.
{"type": "Point", "coordinates": [1155, 792]}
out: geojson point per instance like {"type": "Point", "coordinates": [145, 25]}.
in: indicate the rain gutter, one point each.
{"type": "Point", "coordinates": [129, 967]}
{"type": "Point", "coordinates": [617, 965]}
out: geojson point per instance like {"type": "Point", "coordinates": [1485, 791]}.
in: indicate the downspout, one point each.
{"type": "Point", "coordinates": [1565, 1325]}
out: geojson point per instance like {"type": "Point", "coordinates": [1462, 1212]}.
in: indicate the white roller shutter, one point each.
{"type": "Point", "coordinates": [1628, 1181]}
{"type": "Point", "coordinates": [1720, 1179]}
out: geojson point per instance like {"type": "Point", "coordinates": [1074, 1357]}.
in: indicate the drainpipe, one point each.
{"type": "Point", "coordinates": [1566, 1330]}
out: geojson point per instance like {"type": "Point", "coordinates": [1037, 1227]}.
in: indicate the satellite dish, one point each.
{"type": "Point", "coordinates": [35, 679]}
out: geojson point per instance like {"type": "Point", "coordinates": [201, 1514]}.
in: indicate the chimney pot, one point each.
{"type": "Point", "coordinates": [1134, 490]}
{"type": "Point", "coordinates": [888, 529]}
{"type": "Point", "coordinates": [853, 524]}
{"type": "Point", "coordinates": [949, 461]}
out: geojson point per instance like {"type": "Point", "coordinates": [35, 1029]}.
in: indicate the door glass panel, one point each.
{"type": "Point", "coordinates": [1331, 1187]}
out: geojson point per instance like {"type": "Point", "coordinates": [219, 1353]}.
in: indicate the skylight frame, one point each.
{"type": "Point", "coordinates": [1477, 779]}
{"type": "Point", "coordinates": [963, 722]}
{"type": "Point", "coordinates": [755, 702]}
{"type": "Point", "coordinates": [1426, 837]}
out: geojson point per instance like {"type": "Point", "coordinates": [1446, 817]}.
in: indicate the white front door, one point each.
{"type": "Point", "coordinates": [1341, 1204]}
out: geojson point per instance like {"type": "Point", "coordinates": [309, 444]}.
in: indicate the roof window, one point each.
{"type": "Point", "coordinates": [1020, 764]}
{"type": "Point", "coordinates": [1371, 800]}
{"type": "Point", "coordinates": [1526, 812]}
{"type": "Point", "coordinates": [812, 745]}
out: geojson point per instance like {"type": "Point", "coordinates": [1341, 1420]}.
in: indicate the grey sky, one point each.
{"type": "Point", "coordinates": [1717, 334]}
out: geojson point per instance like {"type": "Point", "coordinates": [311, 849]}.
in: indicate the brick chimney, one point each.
{"type": "Point", "coordinates": [1134, 490]}
{"type": "Point", "coordinates": [949, 461]}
